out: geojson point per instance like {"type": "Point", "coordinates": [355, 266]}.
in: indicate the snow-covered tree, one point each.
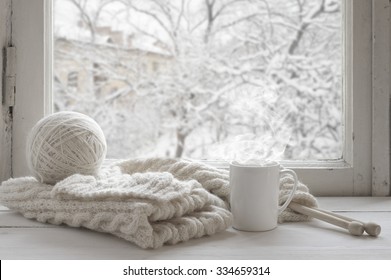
{"type": "Point", "coordinates": [184, 78]}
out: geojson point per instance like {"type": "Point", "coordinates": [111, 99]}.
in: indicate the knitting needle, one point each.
{"type": "Point", "coordinates": [371, 228]}
{"type": "Point", "coordinates": [354, 228]}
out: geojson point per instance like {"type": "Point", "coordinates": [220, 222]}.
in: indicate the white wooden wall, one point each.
{"type": "Point", "coordinates": [5, 116]}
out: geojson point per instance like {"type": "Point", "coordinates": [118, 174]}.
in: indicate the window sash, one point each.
{"type": "Point", "coordinates": [32, 35]}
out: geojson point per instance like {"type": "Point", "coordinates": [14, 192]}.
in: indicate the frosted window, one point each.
{"type": "Point", "coordinates": [205, 79]}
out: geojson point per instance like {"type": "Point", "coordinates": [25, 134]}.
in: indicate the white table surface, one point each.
{"type": "Point", "coordinates": [21, 238]}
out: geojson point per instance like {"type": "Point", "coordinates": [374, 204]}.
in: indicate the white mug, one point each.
{"type": "Point", "coordinates": [255, 193]}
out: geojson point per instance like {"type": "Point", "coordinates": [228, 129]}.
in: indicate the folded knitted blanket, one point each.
{"type": "Point", "coordinates": [150, 202]}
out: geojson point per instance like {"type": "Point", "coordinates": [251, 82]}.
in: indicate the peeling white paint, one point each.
{"type": "Point", "coordinates": [5, 111]}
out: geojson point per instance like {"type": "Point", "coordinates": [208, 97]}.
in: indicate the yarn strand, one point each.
{"type": "Point", "coordinates": [63, 144]}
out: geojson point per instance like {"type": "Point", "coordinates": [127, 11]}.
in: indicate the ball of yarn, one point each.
{"type": "Point", "coordinates": [63, 144]}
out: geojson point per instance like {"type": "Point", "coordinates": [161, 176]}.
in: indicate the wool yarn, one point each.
{"type": "Point", "coordinates": [63, 144]}
{"type": "Point", "coordinates": [149, 202]}
{"type": "Point", "coordinates": [134, 202]}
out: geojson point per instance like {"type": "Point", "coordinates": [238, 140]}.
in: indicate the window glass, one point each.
{"type": "Point", "coordinates": [205, 79]}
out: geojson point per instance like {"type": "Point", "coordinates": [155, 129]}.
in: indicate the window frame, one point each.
{"type": "Point", "coordinates": [364, 169]}
{"type": "Point", "coordinates": [5, 110]}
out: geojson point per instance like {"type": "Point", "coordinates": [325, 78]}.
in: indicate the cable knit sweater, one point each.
{"type": "Point", "coordinates": [150, 202]}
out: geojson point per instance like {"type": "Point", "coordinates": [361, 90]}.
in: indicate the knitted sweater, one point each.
{"type": "Point", "coordinates": [150, 202]}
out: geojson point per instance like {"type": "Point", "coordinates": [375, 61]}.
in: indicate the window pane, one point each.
{"type": "Point", "coordinates": [205, 79]}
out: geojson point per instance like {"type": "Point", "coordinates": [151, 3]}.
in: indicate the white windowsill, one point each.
{"type": "Point", "coordinates": [24, 239]}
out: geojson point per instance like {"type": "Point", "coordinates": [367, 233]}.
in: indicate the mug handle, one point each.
{"type": "Point", "coordinates": [285, 205]}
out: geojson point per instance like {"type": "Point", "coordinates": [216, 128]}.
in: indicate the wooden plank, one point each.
{"type": "Point", "coordinates": [310, 240]}
{"type": "Point", "coordinates": [10, 219]}
{"type": "Point", "coordinates": [25, 239]}
{"type": "Point", "coordinates": [5, 116]}
{"type": "Point", "coordinates": [381, 98]}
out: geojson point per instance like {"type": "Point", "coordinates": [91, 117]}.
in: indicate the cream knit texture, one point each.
{"type": "Point", "coordinates": [150, 202]}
